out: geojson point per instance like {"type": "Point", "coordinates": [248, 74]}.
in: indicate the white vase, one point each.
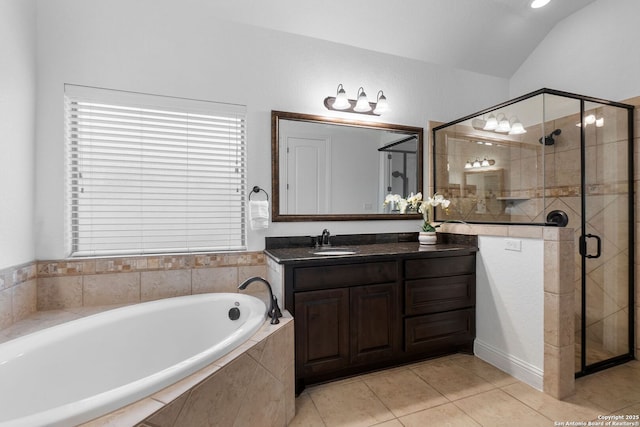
{"type": "Point", "coordinates": [427, 237]}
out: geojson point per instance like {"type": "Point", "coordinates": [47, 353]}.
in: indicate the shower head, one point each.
{"type": "Point", "coordinates": [548, 140]}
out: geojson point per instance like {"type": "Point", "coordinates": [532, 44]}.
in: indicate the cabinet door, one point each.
{"type": "Point", "coordinates": [375, 326]}
{"type": "Point", "coordinates": [322, 331]}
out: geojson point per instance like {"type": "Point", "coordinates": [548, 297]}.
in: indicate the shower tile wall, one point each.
{"type": "Point", "coordinates": [607, 208]}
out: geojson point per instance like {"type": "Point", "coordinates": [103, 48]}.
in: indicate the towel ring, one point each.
{"type": "Point", "coordinates": [257, 189]}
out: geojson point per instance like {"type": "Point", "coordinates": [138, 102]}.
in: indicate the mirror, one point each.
{"type": "Point", "coordinates": [484, 187]}
{"type": "Point", "coordinates": [335, 169]}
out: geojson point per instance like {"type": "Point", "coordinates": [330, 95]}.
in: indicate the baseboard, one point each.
{"type": "Point", "coordinates": [513, 366]}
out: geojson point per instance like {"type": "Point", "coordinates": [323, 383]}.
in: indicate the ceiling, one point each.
{"type": "Point", "coordinates": [486, 36]}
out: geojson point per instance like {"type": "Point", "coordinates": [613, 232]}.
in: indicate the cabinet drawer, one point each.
{"type": "Point", "coordinates": [440, 332]}
{"type": "Point", "coordinates": [424, 296]}
{"type": "Point", "coordinates": [439, 267]}
{"type": "Point", "coordinates": [335, 276]}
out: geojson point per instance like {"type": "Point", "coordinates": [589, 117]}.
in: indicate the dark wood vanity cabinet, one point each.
{"type": "Point", "coordinates": [353, 325]}
{"type": "Point", "coordinates": [351, 317]}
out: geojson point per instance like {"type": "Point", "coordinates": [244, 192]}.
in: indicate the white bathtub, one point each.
{"type": "Point", "coordinates": [77, 371]}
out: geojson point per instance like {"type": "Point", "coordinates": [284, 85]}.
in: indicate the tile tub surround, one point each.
{"type": "Point", "coordinates": [252, 385]}
{"type": "Point", "coordinates": [18, 286]}
{"type": "Point", "coordinates": [101, 281]}
{"type": "Point", "coordinates": [73, 283]}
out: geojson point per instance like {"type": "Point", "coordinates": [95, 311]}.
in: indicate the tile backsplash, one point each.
{"type": "Point", "coordinates": [62, 284]}
{"type": "Point", "coordinates": [18, 287]}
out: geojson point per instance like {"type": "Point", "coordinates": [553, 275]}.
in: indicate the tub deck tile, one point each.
{"type": "Point", "coordinates": [130, 415]}
{"type": "Point", "coordinates": [174, 391]}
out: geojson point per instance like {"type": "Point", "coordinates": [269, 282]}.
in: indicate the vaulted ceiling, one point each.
{"type": "Point", "coordinates": [486, 36]}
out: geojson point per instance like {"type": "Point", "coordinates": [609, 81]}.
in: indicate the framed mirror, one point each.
{"type": "Point", "coordinates": [332, 169]}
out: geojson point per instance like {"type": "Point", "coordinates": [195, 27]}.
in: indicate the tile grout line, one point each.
{"type": "Point", "coordinates": [317, 410]}
{"type": "Point", "coordinates": [381, 401]}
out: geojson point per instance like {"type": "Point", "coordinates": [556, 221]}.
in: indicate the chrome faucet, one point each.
{"type": "Point", "coordinates": [274, 310]}
{"type": "Point", "coordinates": [325, 238]}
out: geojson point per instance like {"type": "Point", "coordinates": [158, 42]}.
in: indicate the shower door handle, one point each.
{"type": "Point", "coordinates": [583, 246]}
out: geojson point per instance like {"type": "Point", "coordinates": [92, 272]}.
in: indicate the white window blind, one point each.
{"type": "Point", "coordinates": [151, 174]}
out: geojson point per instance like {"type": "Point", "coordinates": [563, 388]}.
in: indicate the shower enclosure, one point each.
{"type": "Point", "coordinates": [557, 159]}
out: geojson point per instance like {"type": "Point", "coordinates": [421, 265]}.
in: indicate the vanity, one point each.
{"type": "Point", "coordinates": [367, 301]}
{"type": "Point", "coordinates": [374, 301]}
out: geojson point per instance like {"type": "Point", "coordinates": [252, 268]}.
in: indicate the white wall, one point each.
{"type": "Point", "coordinates": [179, 48]}
{"type": "Point", "coordinates": [510, 307]}
{"type": "Point", "coordinates": [17, 117]}
{"type": "Point", "coordinates": [592, 52]}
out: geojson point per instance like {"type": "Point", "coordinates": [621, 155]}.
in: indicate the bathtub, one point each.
{"type": "Point", "coordinates": [77, 371]}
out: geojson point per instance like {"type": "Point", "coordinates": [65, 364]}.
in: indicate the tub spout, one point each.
{"type": "Point", "coordinates": [274, 310]}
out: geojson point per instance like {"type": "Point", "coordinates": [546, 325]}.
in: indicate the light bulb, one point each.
{"type": "Point", "coordinates": [485, 162]}
{"type": "Point", "coordinates": [503, 126]}
{"type": "Point", "coordinates": [517, 129]}
{"type": "Point", "coordinates": [381, 104]}
{"type": "Point", "coordinates": [341, 102]}
{"type": "Point", "coordinates": [362, 106]}
{"type": "Point", "coordinates": [477, 164]}
{"type": "Point", "coordinates": [468, 165]}
{"type": "Point", "coordinates": [491, 123]}
{"type": "Point", "coordinates": [536, 4]}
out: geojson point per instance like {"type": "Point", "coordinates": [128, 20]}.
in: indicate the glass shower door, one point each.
{"type": "Point", "coordinates": [605, 240]}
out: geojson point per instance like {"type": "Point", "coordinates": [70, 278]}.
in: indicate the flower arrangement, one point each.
{"type": "Point", "coordinates": [424, 206]}
{"type": "Point", "coordinates": [416, 202]}
{"type": "Point", "coordinates": [397, 201]}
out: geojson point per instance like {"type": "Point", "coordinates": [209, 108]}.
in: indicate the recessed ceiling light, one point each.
{"type": "Point", "coordinates": [535, 4]}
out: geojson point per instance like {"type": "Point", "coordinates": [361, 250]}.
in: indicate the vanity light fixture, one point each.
{"type": "Point", "coordinates": [479, 164]}
{"type": "Point", "coordinates": [360, 105]}
{"type": "Point", "coordinates": [500, 123]}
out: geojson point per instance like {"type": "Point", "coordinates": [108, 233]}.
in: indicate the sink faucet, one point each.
{"type": "Point", "coordinates": [274, 310]}
{"type": "Point", "coordinates": [325, 238]}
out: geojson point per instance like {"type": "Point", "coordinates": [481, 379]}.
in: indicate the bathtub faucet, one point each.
{"type": "Point", "coordinates": [274, 310]}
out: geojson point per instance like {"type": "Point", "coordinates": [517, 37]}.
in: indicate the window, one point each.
{"type": "Point", "coordinates": [152, 174]}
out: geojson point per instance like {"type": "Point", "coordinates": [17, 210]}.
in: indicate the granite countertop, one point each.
{"type": "Point", "coordinates": [302, 254]}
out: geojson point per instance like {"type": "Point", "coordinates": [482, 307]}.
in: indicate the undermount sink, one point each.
{"type": "Point", "coordinates": [335, 251]}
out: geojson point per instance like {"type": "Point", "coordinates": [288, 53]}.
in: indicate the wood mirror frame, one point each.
{"type": "Point", "coordinates": [277, 216]}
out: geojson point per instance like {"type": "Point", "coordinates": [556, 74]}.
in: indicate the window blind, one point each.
{"type": "Point", "coordinates": [151, 174]}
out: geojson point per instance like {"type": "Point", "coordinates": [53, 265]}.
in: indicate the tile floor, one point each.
{"type": "Point", "coordinates": [462, 390]}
